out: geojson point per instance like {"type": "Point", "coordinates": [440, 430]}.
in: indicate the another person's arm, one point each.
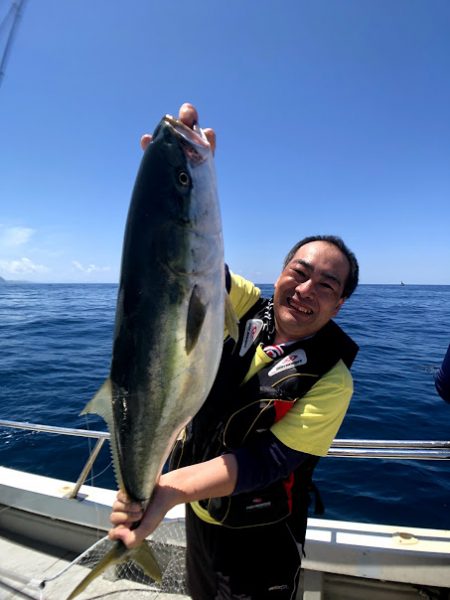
{"type": "Point", "coordinates": [442, 378]}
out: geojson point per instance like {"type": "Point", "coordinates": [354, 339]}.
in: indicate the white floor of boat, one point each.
{"type": "Point", "coordinates": [355, 560]}
{"type": "Point", "coordinates": [35, 564]}
{"type": "Point", "coordinates": [25, 564]}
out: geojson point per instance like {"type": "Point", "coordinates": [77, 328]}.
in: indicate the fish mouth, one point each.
{"type": "Point", "coordinates": [193, 135]}
{"type": "Point", "coordinates": [299, 307]}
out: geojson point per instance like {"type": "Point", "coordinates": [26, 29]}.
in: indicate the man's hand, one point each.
{"type": "Point", "coordinates": [189, 116]}
{"type": "Point", "coordinates": [132, 524]}
{"type": "Point", "coordinates": [124, 515]}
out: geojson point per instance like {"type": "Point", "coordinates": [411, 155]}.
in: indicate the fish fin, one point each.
{"type": "Point", "coordinates": [195, 318]}
{"type": "Point", "coordinates": [231, 320]}
{"type": "Point", "coordinates": [144, 556]}
{"type": "Point", "coordinates": [120, 554]}
{"type": "Point", "coordinates": [101, 403]}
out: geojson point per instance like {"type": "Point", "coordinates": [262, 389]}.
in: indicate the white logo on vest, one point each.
{"type": "Point", "coordinates": [252, 330]}
{"type": "Point", "coordinates": [295, 359]}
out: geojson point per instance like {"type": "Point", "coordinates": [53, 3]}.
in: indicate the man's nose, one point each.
{"type": "Point", "coordinates": [306, 288]}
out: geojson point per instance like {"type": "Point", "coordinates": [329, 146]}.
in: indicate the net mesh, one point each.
{"type": "Point", "coordinates": [125, 580]}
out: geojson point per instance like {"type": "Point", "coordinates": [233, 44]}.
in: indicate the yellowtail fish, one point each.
{"type": "Point", "coordinates": [170, 317]}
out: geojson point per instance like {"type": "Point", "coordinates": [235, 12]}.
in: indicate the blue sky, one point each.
{"type": "Point", "coordinates": [331, 117]}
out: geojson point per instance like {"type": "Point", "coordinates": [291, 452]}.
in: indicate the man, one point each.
{"type": "Point", "coordinates": [244, 466]}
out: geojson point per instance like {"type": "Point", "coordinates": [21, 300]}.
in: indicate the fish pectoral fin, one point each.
{"type": "Point", "coordinates": [231, 320]}
{"type": "Point", "coordinates": [101, 403]}
{"type": "Point", "coordinates": [143, 555]}
{"type": "Point", "coordinates": [195, 318]}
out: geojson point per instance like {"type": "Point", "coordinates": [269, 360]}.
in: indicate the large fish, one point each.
{"type": "Point", "coordinates": [169, 319]}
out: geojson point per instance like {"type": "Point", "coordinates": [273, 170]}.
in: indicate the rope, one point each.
{"type": "Point", "coordinates": [43, 582]}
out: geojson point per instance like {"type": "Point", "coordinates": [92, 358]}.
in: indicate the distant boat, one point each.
{"type": "Point", "coordinates": [401, 283]}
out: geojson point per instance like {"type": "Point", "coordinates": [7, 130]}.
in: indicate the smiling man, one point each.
{"type": "Point", "coordinates": [311, 289]}
{"type": "Point", "coordinates": [244, 464]}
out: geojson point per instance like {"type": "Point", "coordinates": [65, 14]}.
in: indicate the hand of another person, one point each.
{"type": "Point", "coordinates": [189, 116]}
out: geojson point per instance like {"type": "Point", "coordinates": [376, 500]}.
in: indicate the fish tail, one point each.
{"type": "Point", "coordinates": [142, 554]}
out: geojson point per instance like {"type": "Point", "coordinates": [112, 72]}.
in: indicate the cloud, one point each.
{"type": "Point", "coordinates": [89, 268]}
{"type": "Point", "coordinates": [11, 237]}
{"type": "Point", "coordinates": [21, 266]}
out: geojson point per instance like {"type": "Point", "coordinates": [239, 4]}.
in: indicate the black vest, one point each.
{"type": "Point", "coordinates": [234, 412]}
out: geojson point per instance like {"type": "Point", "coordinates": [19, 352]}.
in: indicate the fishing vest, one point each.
{"type": "Point", "coordinates": [234, 413]}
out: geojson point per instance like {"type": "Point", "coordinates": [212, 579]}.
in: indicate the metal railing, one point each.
{"type": "Point", "coordinates": [340, 448]}
{"type": "Point", "coordinates": [100, 436]}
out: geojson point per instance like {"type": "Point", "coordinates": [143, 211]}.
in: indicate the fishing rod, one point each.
{"type": "Point", "coordinates": [15, 10]}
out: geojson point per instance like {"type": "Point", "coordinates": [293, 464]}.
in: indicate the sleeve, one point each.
{"type": "Point", "coordinates": [264, 461]}
{"type": "Point", "coordinates": [243, 294]}
{"type": "Point", "coordinates": [442, 378]}
{"type": "Point", "coordinates": [313, 422]}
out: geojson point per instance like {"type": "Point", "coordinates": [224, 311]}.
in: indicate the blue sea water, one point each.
{"type": "Point", "coordinates": [55, 346]}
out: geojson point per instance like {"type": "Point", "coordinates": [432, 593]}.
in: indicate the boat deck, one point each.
{"type": "Point", "coordinates": [26, 564]}
{"type": "Point", "coordinates": [42, 529]}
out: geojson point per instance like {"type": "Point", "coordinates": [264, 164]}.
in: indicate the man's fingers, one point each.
{"type": "Point", "coordinates": [129, 508]}
{"type": "Point", "coordinates": [122, 496]}
{"type": "Point", "coordinates": [145, 140]}
{"type": "Point", "coordinates": [124, 534]}
{"type": "Point", "coordinates": [124, 511]}
{"type": "Point", "coordinates": [188, 114]}
{"type": "Point", "coordinates": [123, 501]}
{"type": "Point", "coordinates": [211, 137]}
{"type": "Point", "coordinates": [123, 518]}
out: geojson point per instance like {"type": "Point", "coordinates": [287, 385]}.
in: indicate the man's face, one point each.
{"type": "Point", "coordinates": [308, 291]}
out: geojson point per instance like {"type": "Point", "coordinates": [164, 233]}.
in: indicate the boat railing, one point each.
{"type": "Point", "coordinates": [340, 448]}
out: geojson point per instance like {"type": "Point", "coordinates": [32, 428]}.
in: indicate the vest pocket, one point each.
{"type": "Point", "coordinates": [251, 509]}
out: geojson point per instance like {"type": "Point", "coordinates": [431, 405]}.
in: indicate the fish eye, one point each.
{"type": "Point", "coordinates": [183, 178]}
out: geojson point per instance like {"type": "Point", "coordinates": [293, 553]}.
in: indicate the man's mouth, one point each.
{"type": "Point", "coordinates": [299, 307]}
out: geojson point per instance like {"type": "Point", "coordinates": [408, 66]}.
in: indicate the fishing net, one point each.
{"type": "Point", "coordinates": [122, 581]}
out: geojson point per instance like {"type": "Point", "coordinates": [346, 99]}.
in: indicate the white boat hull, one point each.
{"type": "Point", "coordinates": [344, 560]}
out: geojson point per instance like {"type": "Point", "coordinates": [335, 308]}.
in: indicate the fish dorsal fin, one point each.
{"type": "Point", "coordinates": [195, 318]}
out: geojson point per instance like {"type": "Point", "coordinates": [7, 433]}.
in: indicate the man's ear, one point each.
{"type": "Point", "coordinates": [338, 306]}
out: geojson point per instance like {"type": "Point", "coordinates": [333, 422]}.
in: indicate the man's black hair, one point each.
{"type": "Point", "coordinates": [353, 275]}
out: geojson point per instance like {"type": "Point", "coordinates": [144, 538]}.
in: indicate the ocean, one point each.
{"type": "Point", "coordinates": [55, 350]}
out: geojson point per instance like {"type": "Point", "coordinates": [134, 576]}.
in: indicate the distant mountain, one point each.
{"type": "Point", "coordinates": [5, 281]}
